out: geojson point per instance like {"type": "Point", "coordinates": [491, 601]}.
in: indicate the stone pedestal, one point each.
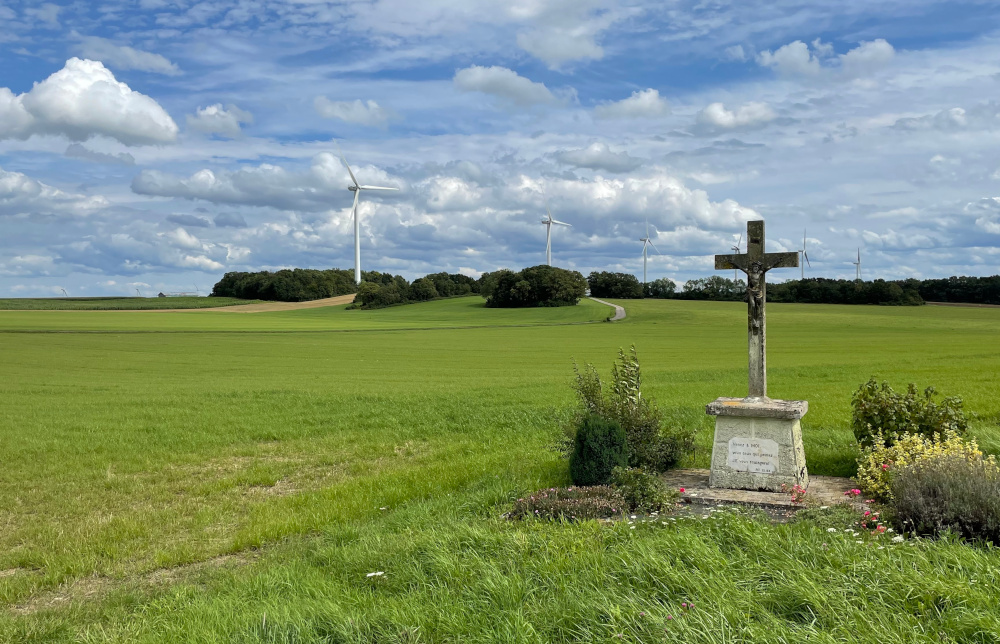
{"type": "Point", "coordinates": [758, 444]}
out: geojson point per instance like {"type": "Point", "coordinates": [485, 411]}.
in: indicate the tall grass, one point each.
{"type": "Point", "coordinates": [125, 453]}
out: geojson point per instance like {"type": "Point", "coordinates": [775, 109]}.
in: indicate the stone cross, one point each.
{"type": "Point", "coordinates": [755, 263]}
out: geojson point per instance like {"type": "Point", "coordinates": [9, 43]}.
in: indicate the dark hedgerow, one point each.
{"type": "Point", "coordinates": [571, 503]}
{"type": "Point", "coordinates": [948, 493]}
{"type": "Point", "coordinates": [599, 447]}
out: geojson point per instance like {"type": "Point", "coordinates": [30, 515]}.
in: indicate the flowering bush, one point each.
{"type": "Point", "coordinates": [572, 503]}
{"type": "Point", "coordinates": [881, 415]}
{"type": "Point", "coordinates": [949, 492]}
{"type": "Point", "coordinates": [797, 492]}
{"type": "Point", "coordinates": [878, 463]}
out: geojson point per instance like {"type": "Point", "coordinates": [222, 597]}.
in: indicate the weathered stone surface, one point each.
{"type": "Point", "coordinates": [755, 263]}
{"type": "Point", "coordinates": [768, 448]}
{"type": "Point", "coordinates": [823, 490]}
{"type": "Point", "coordinates": [757, 407]}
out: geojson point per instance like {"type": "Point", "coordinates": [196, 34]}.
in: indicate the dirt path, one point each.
{"type": "Point", "coordinates": [619, 311]}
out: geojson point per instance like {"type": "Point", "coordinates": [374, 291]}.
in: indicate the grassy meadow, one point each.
{"type": "Point", "coordinates": [116, 303]}
{"type": "Point", "coordinates": [222, 477]}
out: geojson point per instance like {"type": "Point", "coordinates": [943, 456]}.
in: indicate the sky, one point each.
{"type": "Point", "coordinates": [154, 145]}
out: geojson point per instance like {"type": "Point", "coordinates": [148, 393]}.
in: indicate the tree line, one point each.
{"type": "Point", "coordinates": [534, 286]}
{"type": "Point", "coordinates": [814, 290]}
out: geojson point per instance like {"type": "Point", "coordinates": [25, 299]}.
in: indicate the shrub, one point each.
{"type": "Point", "coordinates": [660, 288]}
{"type": "Point", "coordinates": [422, 290]}
{"type": "Point", "coordinates": [880, 411]}
{"type": "Point", "coordinates": [618, 285]}
{"type": "Point", "coordinates": [948, 493]}
{"type": "Point", "coordinates": [643, 492]}
{"type": "Point", "coordinates": [599, 447]}
{"type": "Point", "coordinates": [648, 445]}
{"type": "Point", "coordinates": [878, 464]}
{"type": "Point", "coordinates": [573, 503]}
{"type": "Point", "coordinates": [535, 286]}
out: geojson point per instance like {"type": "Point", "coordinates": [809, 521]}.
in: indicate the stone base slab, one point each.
{"type": "Point", "coordinates": [758, 444]}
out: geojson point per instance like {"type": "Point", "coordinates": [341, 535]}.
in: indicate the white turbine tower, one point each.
{"type": "Point", "coordinates": [646, 241]}
{"type": "Point", "coordinates": [804, 255]}
{"type": "Point", "coordinates": [857, 265]}
{"type": "Point", "coordinates": [736, 249]}
{"type": "Point", "coordinates": [548, 234]}
{"type": "Point", "coordinates": [356, 189]}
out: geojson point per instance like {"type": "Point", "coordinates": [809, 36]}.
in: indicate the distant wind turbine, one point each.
{"type": "Point", "coordinates": [548, 234]}
{"type": "Point", "coordinates": [736, 249]}
{"type": "Point", "coordinates": [137, 293]}
{"type": "Point", "coordinates": [64, 292]}
{"type": "Point", "coordinates": [857, 265]}
{"type": "Point", "coordinates": [356, 188]}
{"type": "Point", "coordinates": [804, 255]}
{"type": "Point", "coordinates": [646, 241]}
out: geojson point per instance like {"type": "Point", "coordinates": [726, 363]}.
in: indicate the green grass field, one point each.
{"type": "Point", "coordinates": [225, 477]}
{"type": "Point", "coordinates": [116, 303]}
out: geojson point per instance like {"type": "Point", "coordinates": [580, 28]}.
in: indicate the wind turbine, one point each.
{"type": "Point", "coordinates": [356, 189]}
{"type": "Point", "coordinates": [137, 293]}
{"type": "Point", "coordinates": [548, 233]}
{"type": "Point", "coordinates": [646, 241]}
{"type": "Point", "coordinates": [736, 249]}
{"type": "Point", "coordinates": [857, 265]}
{"type": "Point", "coordinates": [64, 292]}
{"type": "Point", "coordinates": [804, 255]}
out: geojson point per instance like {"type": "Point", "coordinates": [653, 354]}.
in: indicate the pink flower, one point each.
{"type": "Point", "coordinates": [885, 466]}
{"type": "Point", "coordinates": [670, 616]}
{"type": "Point", "coordinates": [682, 490]}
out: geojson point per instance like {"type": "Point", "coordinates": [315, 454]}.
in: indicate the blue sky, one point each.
{"type": "Point", "coordinates": [157, 144]}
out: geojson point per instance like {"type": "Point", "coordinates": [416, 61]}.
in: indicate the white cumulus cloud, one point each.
{"type": "Point", "coordinates": [598, 156]}
{"type": "Point", "coordinates": [22, 195]}
{"type": "Point", "coordinates": [357, 111]}
{"type": "Point", "coordinates": [867, 58]}
{"type": "Point", "coordinates": [505, 84]}
{"type": "Point", "coordinates": [216, 119]}
{"type": "Point", "coordinates": [793, 59]}
{"type": "Point", "coordinates": [125, 57]}
{"type": "Point", "coordinates": [83, 100]}
{"type": "Point", "coordinates": [641, 104]}
{"type": "Point", "coordinates": [717, 117]}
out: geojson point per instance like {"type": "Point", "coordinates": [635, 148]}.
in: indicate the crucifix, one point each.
{"type": "Point", "coordinates": [755, 262]}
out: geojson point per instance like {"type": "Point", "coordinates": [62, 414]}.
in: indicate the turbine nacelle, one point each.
{"type": "Point", "coordinates": [353, 188]}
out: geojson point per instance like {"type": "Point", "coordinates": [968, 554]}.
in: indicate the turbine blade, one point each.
{"type": "Point", "coordinates": [376, 188]}
{"type": "Point", "coordinates": [561, 223]}
{"type": "Point", "coordinates": [655, 248]}
{"type": "Point", "coordinates": [806, 255]}
{"type": "Point", "coordinates": [346, 165]}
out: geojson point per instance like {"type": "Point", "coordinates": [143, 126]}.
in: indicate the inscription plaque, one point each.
{"type": "Point", "coordinates": [754, 455]}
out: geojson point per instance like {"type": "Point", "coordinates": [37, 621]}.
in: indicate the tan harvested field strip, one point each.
{"type": "Point", "coordinates": [266, 307]}
{"type": "Point", "coordinates": [260, 307]}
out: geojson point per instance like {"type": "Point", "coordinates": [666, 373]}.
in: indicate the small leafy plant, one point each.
{"type": "Point", "coordinates": [643, 492]}
{"type": "Point", "coordinates": [649, 446]}
{"type": "Point", "coordinates": [571, 503]}
{"type": "Point", "coordinates": [879, 413]}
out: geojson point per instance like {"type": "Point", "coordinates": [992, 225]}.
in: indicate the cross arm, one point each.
{"type": "Point", "coordinates": [725, 262]}
{"type": "Point", "coordinates": [781, 260]}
